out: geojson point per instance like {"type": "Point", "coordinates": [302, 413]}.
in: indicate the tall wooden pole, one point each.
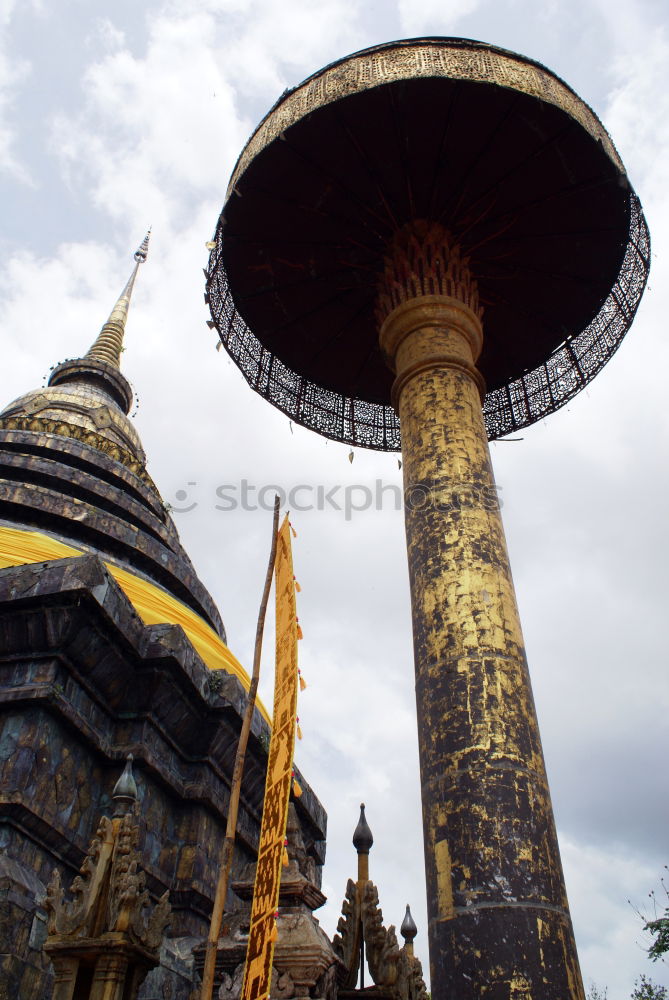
{"type": "Point", "coordinates": [235, 788]}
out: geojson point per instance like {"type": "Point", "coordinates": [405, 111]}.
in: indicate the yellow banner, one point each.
{"type": "Point", "coordinates": [260, 950]}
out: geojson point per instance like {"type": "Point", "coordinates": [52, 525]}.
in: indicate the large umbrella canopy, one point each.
{"type": "Point", "coordinates": [489, 144]}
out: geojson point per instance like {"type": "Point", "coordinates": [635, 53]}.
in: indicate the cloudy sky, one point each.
{"type": "Point", "coordinates": [118, 116]}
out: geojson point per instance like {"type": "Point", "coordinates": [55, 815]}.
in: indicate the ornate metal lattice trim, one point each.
{"type": "Point", "coordinates": [522, 402]}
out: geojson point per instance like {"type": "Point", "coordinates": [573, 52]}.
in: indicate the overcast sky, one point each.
{"type": "Point", "coordinates": [117, 116]}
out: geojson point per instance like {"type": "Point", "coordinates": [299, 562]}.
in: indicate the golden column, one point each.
{"type": "Point", "coordinates": [493, 865]}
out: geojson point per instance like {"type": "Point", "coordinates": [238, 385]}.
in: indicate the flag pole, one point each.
{"type": "Point", "coordinates": [235, 788]}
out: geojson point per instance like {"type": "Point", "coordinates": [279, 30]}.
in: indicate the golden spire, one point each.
{"type": "Point", "coordinates": [109, 343]}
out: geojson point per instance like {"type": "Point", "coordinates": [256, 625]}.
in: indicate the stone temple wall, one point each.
{"type": "Point", "coordinates": [83, 682]}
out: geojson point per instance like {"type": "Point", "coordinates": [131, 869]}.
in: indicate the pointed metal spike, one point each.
{"type": "Point", "coordinates": [362, 835]}
{"type": "Point", "coordinates": [125, 790]}
{"type": "Point", "coordinates": [408, 930]}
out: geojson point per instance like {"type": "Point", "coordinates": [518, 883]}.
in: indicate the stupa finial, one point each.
{"type": "Point", "coordinates": [125, 790]}
{"type": "Point", "coordinates": [109, 342]}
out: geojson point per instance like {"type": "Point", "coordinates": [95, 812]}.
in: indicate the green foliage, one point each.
{"type": "Point", "coordinates": [644, 989]}
{"type": "Point", "coordinates": [658, 927]}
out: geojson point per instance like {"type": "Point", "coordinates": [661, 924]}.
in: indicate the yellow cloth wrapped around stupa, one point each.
{"type": "Point", "coordinates": [154, 605]}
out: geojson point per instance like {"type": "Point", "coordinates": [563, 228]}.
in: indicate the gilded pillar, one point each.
{"type": "Point", "coordinates": [109, 977]}
{"type": "Point", "coordinates": [499, 925]}
{"type": "Point", "coordinates": [65, 977]}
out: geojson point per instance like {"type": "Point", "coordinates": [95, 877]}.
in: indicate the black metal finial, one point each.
{"type": "Point", "coordinates": [408, 930]}
{"type": "Point", "coordinates": [362, 836]}
{"type": "Point", "coordinates": [125, 790]}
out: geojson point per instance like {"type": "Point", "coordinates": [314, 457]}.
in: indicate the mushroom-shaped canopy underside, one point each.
{"type": "Point", "coordinates": [489, 144]}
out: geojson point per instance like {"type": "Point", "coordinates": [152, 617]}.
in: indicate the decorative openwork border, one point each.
{"type": "Point", "coordinates": [372, 425]}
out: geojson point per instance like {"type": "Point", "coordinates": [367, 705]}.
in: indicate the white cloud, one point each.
{"type": "Point", "coordinates": [108, 34]}
{"type": "Point", "coordinates": [13, 71]}
{"type": "Point", "coordinates": [276, 40]}
{"type": "Point", "coordinates": [157, 128]}
{"type": "Point", "coordinates": [434, 17]}
{"type": "Point", "coordinates": [153, 129]}
{"type": "Point", "coordinates": [616, 879]}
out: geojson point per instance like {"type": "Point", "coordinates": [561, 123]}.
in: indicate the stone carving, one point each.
{"type": "Point", "coordinates": [410, 984]}
{"type": "Point", "coordinates": [76, 916]}
{"type": "Point", "coordinates": [298, 854]}
{"type": "Point", "coordinates": [346, 942]}
{"type": "Point", "coordinates": [108, 924]}
{"type": "Point", "coordinates": [109, 894]}
{"type": "Point", "coordinates": [326, 987]}
{"type": "Point", "coordinates": [380, 944]}
{"type": "Point", "coordinates": [396, 970]}
{"type": "Point", "coordinates": [231, 986]}
{"type": "Point", "coordinates": [302, 951]}
{"type": "Point", "coordinates": [128, 897]}
{"type": "Point", "coordinates": [281, 985]}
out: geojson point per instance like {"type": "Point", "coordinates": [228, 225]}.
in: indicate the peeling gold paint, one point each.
{"type": "Point", "coordinates": [490, 840]}
{"type": "Point", "coordinates": [519, 988]}
{"type": "Point", "coordinates": [442, 859]}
